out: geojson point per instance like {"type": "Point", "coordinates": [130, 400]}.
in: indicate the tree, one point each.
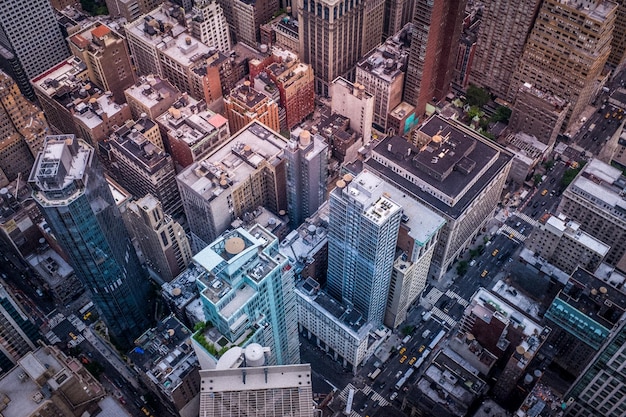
{"type": "Point", "coordinates": [502, 114]}
{"type": "Point", "coordinates": [94, 7]}
{"type": "Point", "coordinates": [537, 179]}
{"type": "Point", "coordinates": [474, 111]}
{"type": "Point", "coordinates": [477, 96]}
{"type": "Point", "coordinates": [407, 330]}
{"type": "Point", "coordinates": [462, 268]}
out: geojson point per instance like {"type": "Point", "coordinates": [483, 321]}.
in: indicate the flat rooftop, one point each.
{"type": "Point", "coordinates": [350, 319]}
{"type": "Point", "coordinates": [561, 226]}
{"type": "Point", "coordinates": [308, 239]}
{"type": "Point", "coordinates": [602, 185]}
{"type": "Point", "coordinates": [447, 174]}
{"type": "Point", "coordinates": [62, 161]}
{"type": "Point", "coordinates": [189, 120]}
{"type": "Point", "coordinates": [137, 148]}
{"type": "Point", "coordinates": [243, 379]}
{"type": "Point", "coordinates": [152, 89]}
{"type": "Point", "coordinates": [237, 159]}
{"type": "Point", "coordinates": [165, 353]}
{"type": "Point", "coordinates": [387, 61]}
{"type": "Point", "coordinates": [487, 305]}
{"type": "Point", "coordinates": [56, 79]}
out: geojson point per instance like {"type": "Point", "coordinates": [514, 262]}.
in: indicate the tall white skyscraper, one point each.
{"type": "Point", "coordinates": [364, 224]}
{"type": "Point", "coordinates": [30, 40]}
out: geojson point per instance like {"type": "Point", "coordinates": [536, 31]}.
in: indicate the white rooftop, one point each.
{"type": "Point", "coordinates": [236, 159]}
{"type": "Point", "coordinates": [561, 226]}
{"type": "Point", "coordinates": [255, 378]}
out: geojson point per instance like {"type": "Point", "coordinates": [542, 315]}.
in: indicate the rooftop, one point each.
{"type": "Point", "coordinates": [51, 266]}
{"type": "Point", "coordinates": [449, 172]}
{"type": "Point", "coordinates": [95, 38]}
{"type": "Point", "coordinates": [183, 289]}
{"type": "Point", "coordinates": [247, 96]}
{"type": "Point", "coordinates": [559, 103]}
{"type": "Point", "coordinates": [90, 112]}
{"type": "Point", "coordinates": [351, 320]}
{"type": "Point", "coordinates": [235, 161]}
{"type": "Point", "coordinates": [387, 61]}
{"type": "Point", "coordinates": [57, 79]}
{"type": "Point", "coordinates": [190, 120]}
{"type": "Point", "coordinates": [560, 226]}
{"type": "Point", "coordinates": [457, 382]}
{"type": "Point", "coordinates": [138, 149]}
{"type": "Point", "coordinates": [22, 394]}
{"type": "Point", "coordinates": [302, 244]}
{"type": "Point", "coordinates": [165, 353]}
{"type": "Point", "coordinates": [62, 162]}
{"type": "Point", "coordinates": [541, 402]}
{"type": "Point", "coordinates": [159, 26]}
{"type": "Point", "coordinates": [488, 306]}
{"type": "Point", "coordinates": [151, 89]}
{"type": "Point", "coordinates": [243, 379]}
{"type": "Point", "coordinates": [236, 263]}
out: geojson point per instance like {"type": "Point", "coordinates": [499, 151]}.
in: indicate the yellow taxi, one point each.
{"type": "Point", "coordinates": [495, 252]}
{"type": "Point", "coordinates": [544, 192]}
{"type": "Point", "coordinates": [421, 349]}
{"type": "Point", "coordinates": [403, 358]}
{"type": "Point", "coordinates": [484, 274]}
{"type": "Point", "coordinates": [402, 351]}
{"type": "Point", "coordinates": [412, 361]}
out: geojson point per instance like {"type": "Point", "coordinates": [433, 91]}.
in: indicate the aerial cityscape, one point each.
{"type": "Point", "coordinates": [312, 208]}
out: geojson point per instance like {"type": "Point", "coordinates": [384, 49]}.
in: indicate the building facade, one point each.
{"type": "Point", "coordinates": [307, 172]}
{"type": "Point", "coordinates": [594, 201]}
{"type": "Point", "coordinates": [246, 172]}
{"type": "Point", "coordinates": [143, 168]}
{"type": "Point", "coordinates": [18, 334]}
{"type": "Point", "coordinates": [538, 113]}
{"type": "Point", "coordinates": [504, 28]}
{"type": "Point", "coordinates": [208, 24]}
{"type": "Point", "coordinates": [105, 52]}
{"type": "Point", "coordinates": [162, 240]}
{"type": "Point", "coordinates": [30, 41]}
{"type": "Point", "coordinates": [362, 239]}
{"type": "Point", "coordinates": [246, 289]}
{"type": "Point", "coordinates": [599, 389]}
{"type": "Point", "coordinates": [436, 34]}
{"type": "Point", "coordinates": [79, 208]}
{"type": "Point", "coordinates": [23, 128]}
{"type": "Point", "coordinates": [560, 241]}
{"type": "Point", "coordinates": [351, 100]}
{"type": "Point", "coordinates": [381, 72]}
{"type": "Point", "coordinates": [567, 36]}
{"type": "Point", "coordinates": [581, 317]}
{"type": "Point", "coordinates": [331, 37]}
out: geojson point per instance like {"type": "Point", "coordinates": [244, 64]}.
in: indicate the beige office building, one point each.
{"type": "Point", "coordinates": [566, 51]}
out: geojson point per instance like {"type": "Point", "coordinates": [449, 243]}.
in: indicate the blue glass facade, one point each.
{"type": "Point", "coordinates": [247, 291]}
{"type": "Point", "coordinates": [77, 203]}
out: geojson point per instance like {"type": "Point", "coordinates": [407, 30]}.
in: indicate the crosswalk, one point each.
{"type": "Point", "coordinates": [343, 395]}
{"type": "Point", "coordinates": [508, 230]}
{"type": "Point", "coordinates": [443, 317]}
{"type": "Point", "coordinates": [433, 296]}
{"type": "Point", "coordinates": [526, 218]}
{"type": "Point", "coordinates": [457, 297]}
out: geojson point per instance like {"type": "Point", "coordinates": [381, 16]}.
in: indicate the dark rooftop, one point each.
{"type": "Point", "coordinates": [449, 163]}
{"type": "Point", "coordinates": [138, 148]}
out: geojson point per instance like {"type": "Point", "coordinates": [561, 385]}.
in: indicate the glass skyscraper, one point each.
{"type": "Point", "coordinates": [78, 205]}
